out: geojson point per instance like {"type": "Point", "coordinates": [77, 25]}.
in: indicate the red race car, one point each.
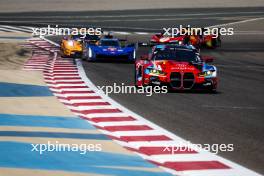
{"type": "Point", "coordinates": [208, 41]}
{"type": "Point", "coordinates": [180, 67]}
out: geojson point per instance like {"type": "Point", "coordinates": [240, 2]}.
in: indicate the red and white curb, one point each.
{"type": "Point", "coordinates": [69, 84]}
{"type": "Point", "coordinates": [40, 54]}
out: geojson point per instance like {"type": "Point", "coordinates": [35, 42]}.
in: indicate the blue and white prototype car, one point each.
{"type": "Point", "coordinates": [110, 48]}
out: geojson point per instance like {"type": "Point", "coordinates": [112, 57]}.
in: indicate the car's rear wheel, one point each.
{"type": "Point", "coordinates": [63, 55]}
{"type": "Point", "coordinates": [216, 42]}
{"type": "Point", "coordinates": [83, 57]}
{"type": "Point", "coordinates": [89, 59]}
{"type": "Point", "coordinates": [212, 89]}
{"type": "Point", "coordinates": [137, 73]}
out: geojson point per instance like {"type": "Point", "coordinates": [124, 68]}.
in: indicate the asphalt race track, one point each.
{"type": "Point", "coordinates": [233, 115]}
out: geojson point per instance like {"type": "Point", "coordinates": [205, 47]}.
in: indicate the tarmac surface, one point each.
{"type": "Point", "coordinates": [234, 115]}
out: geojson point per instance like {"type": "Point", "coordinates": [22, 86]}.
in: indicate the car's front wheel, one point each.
{"type": "Point", "coordinates": [138, 76]}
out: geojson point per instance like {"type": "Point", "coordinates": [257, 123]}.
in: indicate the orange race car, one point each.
{"type": "Point", "coordinates": [71, 46]}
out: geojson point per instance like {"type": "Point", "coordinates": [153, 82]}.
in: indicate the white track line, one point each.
{"type": "Point", "coordinates": [237, 22]}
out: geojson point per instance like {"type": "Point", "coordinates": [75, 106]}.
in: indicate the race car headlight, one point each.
{"type": "Point", "coordinates": [208, 73]}
{"type": "Point", "coordinates": [70, 43]}
{"type": "Point", "coordinates": [156, 71]}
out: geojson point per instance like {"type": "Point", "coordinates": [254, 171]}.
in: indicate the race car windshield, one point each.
{"type": "Point", "coordinates": [180, 55]}
{"type": "Point", "coordinates": [91, 37]}
{"type": "Point", "coordinates": [76, 37]}
{"type": "Point", "coordinates": [109, 43]}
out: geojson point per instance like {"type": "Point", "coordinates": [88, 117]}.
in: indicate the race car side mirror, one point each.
{"type": "Point", "coordinates": [207, 59]}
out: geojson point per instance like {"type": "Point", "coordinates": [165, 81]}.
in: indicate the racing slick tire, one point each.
{"type": "Point", "coordinates": [216, 42]}
{"type": "Point", "coordinates": [212, 89]}
{"type": "Point", "coordinates": [62, 55]}
{"type": "Point", "coordinates": [135, 77]}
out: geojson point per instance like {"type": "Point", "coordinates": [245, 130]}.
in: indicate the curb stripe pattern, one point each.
{"type": "Point", "coordinates": [70, 85]}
